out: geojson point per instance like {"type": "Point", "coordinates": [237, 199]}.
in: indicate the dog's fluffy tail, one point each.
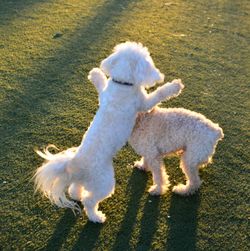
{"type": "Point", "coordinates": [54, 176]}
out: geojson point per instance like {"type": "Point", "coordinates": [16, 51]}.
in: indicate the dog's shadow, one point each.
{"type": "Point", "coordinates": [62, 229]}
{"type": "Point", "coordinates": [88, 236]}
{"type": "Point", "coordinates": [136, 186]}
{"type": "Point", "coordinates": [148, 225]}
{"type": "Point", "coordinates": [90, 233]}
{"type": "Point", "coordinates": [182, 221]}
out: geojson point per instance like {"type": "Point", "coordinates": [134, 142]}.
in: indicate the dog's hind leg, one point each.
{"type": "Point", "coordinates": [160, 177]}
{"type": "Point", "coordinates": [101, 187]}
{"type": "Point", "coordinates": [75, 191]}
{"type": "Point", "coordinates": [189, 167]}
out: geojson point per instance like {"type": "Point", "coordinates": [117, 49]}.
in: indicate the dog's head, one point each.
{"type": "Point", "coordinates": [131, 62]}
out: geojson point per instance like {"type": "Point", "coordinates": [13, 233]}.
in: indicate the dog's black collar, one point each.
{"type": "Point", "coordinates": [122, 83]}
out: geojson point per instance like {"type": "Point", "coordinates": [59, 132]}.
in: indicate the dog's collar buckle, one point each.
{"type": "Point", "coordinates": [122, 83]}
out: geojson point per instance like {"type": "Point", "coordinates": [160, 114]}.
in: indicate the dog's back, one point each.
{"type": "Point", "coordinates": [180, 119]}
{"type": "Point", "coordinates": [166, 130]}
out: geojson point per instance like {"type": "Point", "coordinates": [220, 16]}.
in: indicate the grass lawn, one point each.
{"type": "Point", "coordinates": [47, 48]}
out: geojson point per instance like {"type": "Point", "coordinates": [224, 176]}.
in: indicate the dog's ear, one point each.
{"type": "Point", "coordinates": [156, 75]}
{"type": "Point", "coordinates": [108, 63]}
{"type": "Point", "coordinates": [147, 74]}
{"type": "Point", "coordinates": [118, 67]}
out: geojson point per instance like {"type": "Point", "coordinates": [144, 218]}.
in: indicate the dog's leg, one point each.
{"type": "Point", "coordinates": [98, 78]}
{"type": "Point", "coordinates": [164, 92]}
{"type": "Point", "coordinates": [160, 177]}
{"type": "Point", "coordinates": [190, 168]}
{"type": "Point", "coordinates": [141, 164]}
{"type": "Point", "coordinates": [101, 187]}
{"type": "Point", "coordinates": [75, 191]}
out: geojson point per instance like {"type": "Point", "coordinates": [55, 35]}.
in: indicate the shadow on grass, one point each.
{"type": "Point", "coordinates": [182, 222]}
{"type": "Point", "coordinates": [62, 230]}
{"type": "Point", "coordinates": [25, 109]}
{"type": "Point", "coordinates": [148, 222]}
{"type": "Point", "coordinates": [136, 187]}
{"type": "Point", "coordinates": [12, 9]}
{"type": "Point", "coordinates": [48, 83]}
{"type": "Point", "coordinates": [90, 232]}
{"type": "Point", "coordinates": [88, 236]}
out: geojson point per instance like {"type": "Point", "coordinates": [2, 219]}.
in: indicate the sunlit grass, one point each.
{"type": "Point", "coordinates": [45, 97]}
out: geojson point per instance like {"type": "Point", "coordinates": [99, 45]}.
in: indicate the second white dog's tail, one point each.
{"type": "Point", "coordinates": [54, 176]}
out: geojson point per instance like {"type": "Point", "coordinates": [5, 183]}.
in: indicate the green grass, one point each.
{"type": "Point", "coordinates": [45, 97]}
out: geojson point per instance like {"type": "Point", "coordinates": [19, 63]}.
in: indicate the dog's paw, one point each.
{"type": "Point", "coordinates": [177, 81]}
{"type": "Point", "coordinates": [95, 72]}
{"type": "Point", "coordinates": [176, 85]}
{"type": "Point", "coordinates": [140, 165]}
{"type": "Point", "coordinates": [171, 89]}
{"type": "Point", "coordinates": [158, 190]}
{"type": "Point", "coordinates": [97, 217]}
{"type": "Point", "coordinates": [96, 76]}
{"type": "Point", "coordinates": [185, 190]}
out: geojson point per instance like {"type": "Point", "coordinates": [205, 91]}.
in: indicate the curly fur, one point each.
{"type": "Point", "coordinates": [87, 172]}
{"type": "Point", "coordinates": [174, 130]}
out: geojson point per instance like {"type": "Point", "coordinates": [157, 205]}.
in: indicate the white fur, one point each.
{"type": "Point", "coordinates": [87, 172]}
{"type": "Point", "coordinates": [174, 130]}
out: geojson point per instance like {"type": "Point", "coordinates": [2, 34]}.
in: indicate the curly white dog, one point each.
{"type": "Point", "coordinates": [164, 131]}
{"type": "Point", "coordinates": [87, 171]}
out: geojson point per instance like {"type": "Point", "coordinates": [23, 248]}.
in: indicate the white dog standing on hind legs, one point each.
{"type": "Point", "coordinates": [86, 171]}
{"type": "Point", "coordinates": [164, 131]}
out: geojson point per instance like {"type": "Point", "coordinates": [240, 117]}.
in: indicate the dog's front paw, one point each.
{"type": "Point", "coordinates": [176, 86]}
{"type": "Point", "coordinates": [98, 78]}
{"type": "Point", "coordinates": [177, 81]}
{"type": "Point", "coordinates": [95, 74]}
{"type": "Point", "coordinates": [171, 89]}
